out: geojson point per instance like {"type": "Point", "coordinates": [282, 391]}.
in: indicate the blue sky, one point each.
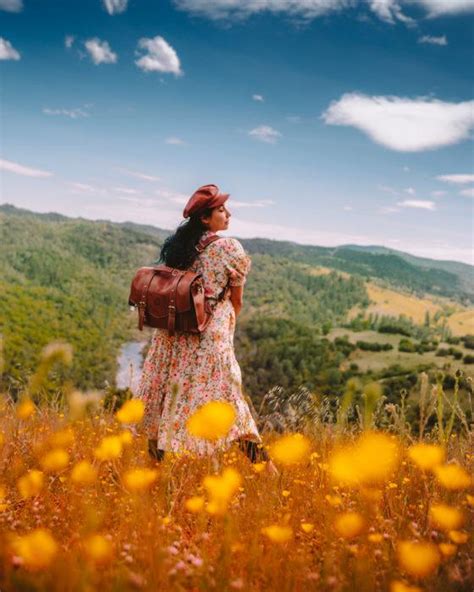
{"type": "Point", "coordinates": [328, 121]}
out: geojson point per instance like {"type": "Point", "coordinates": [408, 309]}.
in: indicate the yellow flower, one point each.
{"type": "Point", "coordinates": [458, 537]}
{"type": "Point", "coordinates": [426, 456]}
{"type": "Point", "coordinates": [375, 537]}
{"type": "Point", "coordinates": [349, 525]}
{"type": "Point", "coordinates": [446, 517]}
{"type": "Point", "coordinates": [333, 500]}
{"type": "Point", "coordinates": [398, 586]}
{"type": "Point", "coordinates": [25, 409]}
{"type": "Point", "coordinates": [452, 477]}
{"type": "Point", "coordinates": [2, 439]}
{"type": "Point", "coordinates": [131, 411]}
{"type": "Point", "coordinates": [470, 499]}
{"type": "Point", "coordinates": [371, 460]}
{"type": "Point", "coordinates": [221, 489]}
{"type": "Point", "coordinates": [419, 559]}
{"type": "Point", "coordinates": [37, 549]}
{"type": "Point", "coordinates": [54, 461]}
{"type": "Point", "coordinates": [290, 449]}
{"type": "Point", "coordinates": [447, 549]}
{"type": "Point", "coordinates": [259, 467]}
{"type": "Point", "coordinates": [62, 438]}
{"type": "Point", "coordinates": [285, 493]}
{"type": "Point", "coordinates": [98, 549]}
{"type": "Point", "coordinates": [139, 479]}
{"type": "Point", "coordinates": [278, 534]}
{"type": "Point", "coordinates": [109, 448]}
{"type": "Point", "coordinates": [30, 484]}
{"type": "Point", "coordinates": [212, 420]}
{"type": "Point", "coordinates": [126, 437]}
{"type": "Point", "coordinates": [194, 504]}
{"type": "Point", "coordinates": [84, 473]}
{"type": "Point", "coordinates": [307, 527]}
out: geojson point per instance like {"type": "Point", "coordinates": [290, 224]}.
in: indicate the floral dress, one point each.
{"type": "Point", "coordinates": [187, 370]}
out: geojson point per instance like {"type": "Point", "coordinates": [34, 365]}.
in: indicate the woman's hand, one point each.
{"type": "Point", "coordinates": [234, 275]}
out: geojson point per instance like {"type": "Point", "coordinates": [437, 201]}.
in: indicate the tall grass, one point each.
{"type": "Point", "coordinates": [321, 524]}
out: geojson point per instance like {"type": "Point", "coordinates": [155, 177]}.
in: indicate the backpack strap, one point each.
{"type": "Point", "coordinates": [204, 242]}
{"type": "Point", "coordinates": [172, 301]}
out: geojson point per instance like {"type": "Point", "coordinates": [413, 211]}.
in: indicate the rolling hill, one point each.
{"type": "Point", "coordinates": [68, 279]}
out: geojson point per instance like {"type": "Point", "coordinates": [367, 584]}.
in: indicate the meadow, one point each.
{"type": "Point", "coordinates": [362, 499]}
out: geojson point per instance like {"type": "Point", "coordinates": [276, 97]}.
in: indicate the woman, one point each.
{"type": "Point", "coordinates": [186, 370]}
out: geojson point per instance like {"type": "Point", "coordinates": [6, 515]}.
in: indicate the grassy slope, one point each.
{"type": "Point", "coordinates": [377, 361]}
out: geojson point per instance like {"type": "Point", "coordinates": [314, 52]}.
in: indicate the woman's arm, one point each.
{"type": "Point", "coordinates": [236, 292]}
{"type": "Point", "coordinates": [237, 298]}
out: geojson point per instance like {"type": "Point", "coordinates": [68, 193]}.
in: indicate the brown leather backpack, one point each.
{"type": "Point", "coordinates": [173, 299]}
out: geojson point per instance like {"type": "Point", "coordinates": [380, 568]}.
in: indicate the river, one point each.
{"type": "Point", "coordinates": [129, 365]}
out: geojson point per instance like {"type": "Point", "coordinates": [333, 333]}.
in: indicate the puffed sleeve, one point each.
{"type": "Point", "coordinates": [236, 260]}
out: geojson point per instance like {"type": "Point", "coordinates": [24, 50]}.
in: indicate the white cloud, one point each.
{"type": "Point", "coordinates": [7, 51]}
{"type": "Point", "coordinates": [457, 179]}
{"type": "Point", "coordinates": [72, 113]}
{"type": "Point", "coordinates": [417, 203]}
{"type": "Point", "coordinates": [406, 169]}
{"type": "Point", "coordinates": [438, 193]}
{"type": "Point", "coordinates": [437, 8]}
{"type": "Point", "coordinates": [348, 208]}
{"type": "Point", "coordinates": [261, 203]}
{"type": "Point", "coordinates": [265, 133]}
{"type": "Point", "coordinates": [115, 6]}
{"type": "Point", "coordinates": [126, 190]}
{"type": "Point", "coordinates": [433, 40]}
{"type": "Point", "coordinates": [100, 51]}
{"type": "Point", "coordinates": [139, 175]}
{"type": "Point", "coordinates": [86, 189]}
{"type": "Point", "coordinates": [11, 5]}
{"type": "Point", "coordinates": [224, 9]}
{"type": "Point", "coordinates": [174, 141]}
{"type": "Point", "coordinates": [390, 11]}
{"type": "Point", "coordinates": [410, 191]}
{"type": "Point", "coordinates": [467, 192]}
{"type": "Point", "coordinates": [258, 98]}
{"type": "Point", "coordinates": [173, 196]}
{"type": "Point", "coordinates": [403, 124]}
{"type": "Point", "coordinates": [159, 56]}
{"type": "Point", "coordinates": [19, 169]}
{"type": "Point", "coordinates": [69, 41]}
{"type": "Point", "coordinates": [388, 189]}
{"type": "Point", "coordinates": [388, 210]}
{"type": "Point", "coordinates": [317, 236]}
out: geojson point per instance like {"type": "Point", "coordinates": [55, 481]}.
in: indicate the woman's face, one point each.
{"type": "Point", "coordinates": [218, 220]}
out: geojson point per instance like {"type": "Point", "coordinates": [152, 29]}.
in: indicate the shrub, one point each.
{"type": "Point", "coordinates": [406, 345]}
{"type": "Point", "coordinates": [370, 346]}
{"type": "Point", "coordinates": [468, 341]}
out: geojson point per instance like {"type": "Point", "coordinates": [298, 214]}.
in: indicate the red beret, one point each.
{"type": "Point", "coordinates": [207, 196]}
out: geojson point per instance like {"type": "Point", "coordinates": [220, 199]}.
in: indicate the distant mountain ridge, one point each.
{"type": "Point", "coordinates": [464, 269]}
{"type": "Point", "coordinates": [421, 275]}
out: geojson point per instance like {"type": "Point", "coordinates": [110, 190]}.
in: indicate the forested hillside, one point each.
{"type": "Point", "coordinates": [68, 279]}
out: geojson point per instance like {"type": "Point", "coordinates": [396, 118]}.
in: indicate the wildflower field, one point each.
{"type": "Point", "coordinates": [366, 505]}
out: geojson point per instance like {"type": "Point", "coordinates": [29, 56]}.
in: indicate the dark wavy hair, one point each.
{"type": "Point", "coordinates": [179, 250]}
